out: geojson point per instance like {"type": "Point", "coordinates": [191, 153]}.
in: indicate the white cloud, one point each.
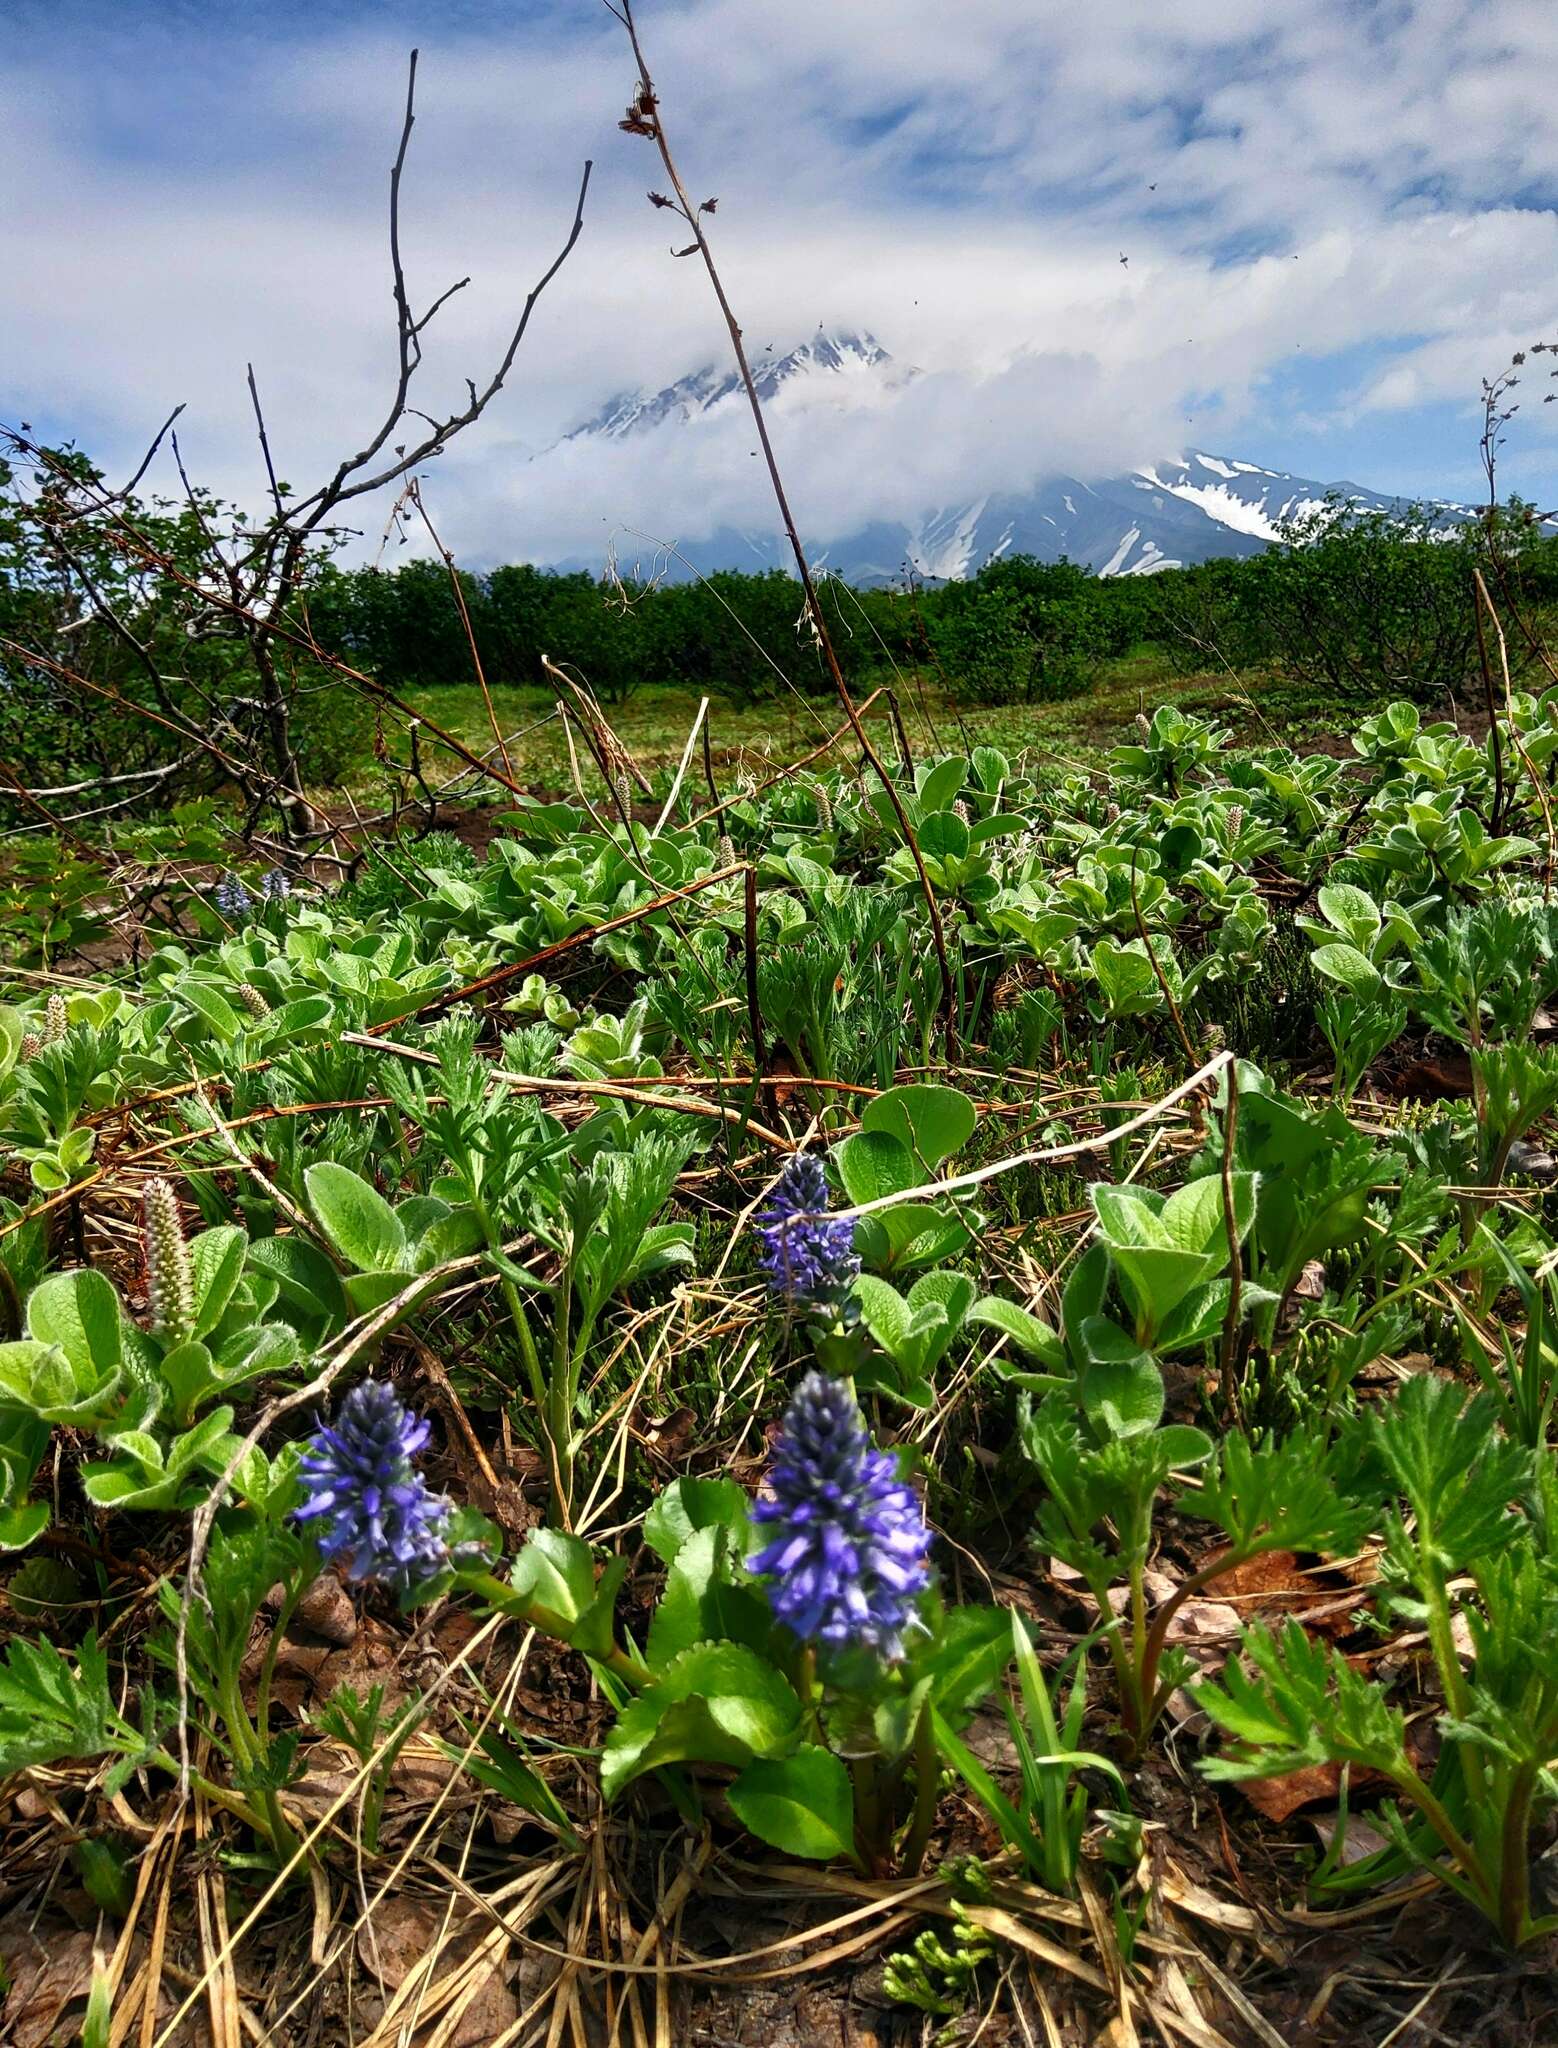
{"type": "Point", "coordinates": [960, 180]}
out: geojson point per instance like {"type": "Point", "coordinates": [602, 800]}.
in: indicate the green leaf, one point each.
{"type": "Point", "coordinates": [20, 1526]}
{"type": "Point", "coordinates": [1344, 963]}
{"type": "Point", "coordinates": [700, 1604]}
{"type": "Point", "coordinates": [1195, 1218]}
{"type": "Point", "coordinates": [886, 1315]}
{"type": "Point", "coordinates": [80, 1313]}
{"type": "Point", "coordinates": [595, 1631]}
{"type": "Point", "coordinates": [973, 1649]}
{"type": "Point", "coordinates": [292, 1019]}
{"type": "Point", "coordinates": [213, 1008]}
{"type": "Point", "coordinates": [931, 1121]}
{"type": "Point", "coordinates": [306, 1278]}
{"type": "Point", "coordinates": [943, 836]}
{"type": "Point", "coordinates": [911, 1234]}
{"type": "Point", "coordinates": [1024, 1329]}
{"type": "Point", "coordinates": [1351, 911]}
{"type": "Point", "coordinates": [557, 1572]}
{"type": "Point", "coordinates": [355, 1217]}
{"type": "Point", "coordinates": [367, 1291]}
{"type": "Point", "coordinates": [188, 1372]}
{"type": "Point", "coordinates": [1120, 1386]}
{"type": "Point", "coordinates": [1184, 1446]}
{"type": "Point", "coordinates": [872, 1164]}
{"type": "Point", "coordinates": [690, 1504]}
{"type": "Point", "coordinates": [218, 1258]}
{"type": "Point", "coordinates": [51, 1712]}
{"type": "Point", "coordinates": [940, 783]}
{"type": "Point", "coordinates": [802, 1805]}
{"type": "Point", "coordinates": [40, 1380]}
{"type": "Point", "coordinates": [718, 1703]}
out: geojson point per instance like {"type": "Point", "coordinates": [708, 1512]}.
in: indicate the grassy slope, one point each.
{"type": "Point", "coordinates": [655, 723]}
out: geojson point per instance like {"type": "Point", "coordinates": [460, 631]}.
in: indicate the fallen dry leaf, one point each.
{"type": "Point", "coordinates": [1362, 1837]}
{"type": "Point", "coordinates": [1279, 1798]}
{"type": "Point", "coordinates": [50, 1969]}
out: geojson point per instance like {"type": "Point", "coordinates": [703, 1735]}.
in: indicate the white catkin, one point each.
{"type": "Point", "coordinates": [56, 1019]}
{"type": "Point", "coordinates": [1142, 726]}
{"type": "Point", "coordinates": [170, 1272]}
{"type": "Point", "coordinates": [726, 851]}
{"type": "Point", "coordinates": [824, 805]}
{"type": "Point", "coordinates": [1235, 820]}
{"type": "Point", "coordinates": [29, 1048]}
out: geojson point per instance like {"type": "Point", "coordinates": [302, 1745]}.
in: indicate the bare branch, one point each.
{"type": "Point", "coordinates": [270, 467]}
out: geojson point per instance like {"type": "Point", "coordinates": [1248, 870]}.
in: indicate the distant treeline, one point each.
{"type": "Point", "coordinates": [1361, 604]}
{"type": "Point", "coordinates": [125, 683]}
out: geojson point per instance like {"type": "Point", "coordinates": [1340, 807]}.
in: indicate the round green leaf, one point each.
{"type": "Point", "coordinates": [802, 1805]}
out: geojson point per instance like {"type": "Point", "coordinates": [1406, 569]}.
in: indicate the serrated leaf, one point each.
{"type": "Point", "coordinates": [690, 1504]}
{"type": "Point", "coordinates": [700, 1604]}
{"type": "Point", "coordinates": [973, 1650]}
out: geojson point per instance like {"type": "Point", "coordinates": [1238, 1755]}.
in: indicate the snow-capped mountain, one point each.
{"type": "Point", "coordinates": [1166, 515]}
{"type": "Point", "coordinates": [856, 364]}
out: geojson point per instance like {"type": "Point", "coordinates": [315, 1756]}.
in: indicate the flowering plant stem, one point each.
{"type": "Point", "coordinates": [552, 1397]}
{"type": "Point", "coordinates": [927, 1784]}
{"type": "Point", "coordinates": [629, 1668]}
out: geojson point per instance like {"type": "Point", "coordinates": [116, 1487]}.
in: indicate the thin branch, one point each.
{"type": "Point", "coordinates": [270, 467]}
{"type": "Point", "coordinates": [644, 119]}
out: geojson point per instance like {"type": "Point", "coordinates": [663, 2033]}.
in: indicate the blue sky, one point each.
{"type": "Point", "coordinates": [1338, 216]}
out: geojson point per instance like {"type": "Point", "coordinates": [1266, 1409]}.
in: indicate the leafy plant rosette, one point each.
{"type": "Point", "coordinates": [814, 1672]}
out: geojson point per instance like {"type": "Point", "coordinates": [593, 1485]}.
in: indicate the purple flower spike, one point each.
{"type": "Point", "coordinates": [847, 1559]}
{"type": "Point", "coordinates": [807, 1255]}
{"type": "Point", "coordinates": [232, 899]}
{"type": "Point", "coordinates": [379, 1517]}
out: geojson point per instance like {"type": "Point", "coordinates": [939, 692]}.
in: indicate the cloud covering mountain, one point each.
{"type": "Point", "coordinates": [1160, 515]}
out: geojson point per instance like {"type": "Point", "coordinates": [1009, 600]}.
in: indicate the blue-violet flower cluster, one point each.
{"type": "Point", "coordinates": [808, 1255]}
{"type": "Point", "coordinates": [847, 1558]}
{"type": "Point", "coordinates": [232, 899]}
{"type": "Point", "coordinates": [377, 1514]}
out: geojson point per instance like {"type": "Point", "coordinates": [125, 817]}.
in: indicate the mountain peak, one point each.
{"type": "Point", "coordinates": [831, 352]}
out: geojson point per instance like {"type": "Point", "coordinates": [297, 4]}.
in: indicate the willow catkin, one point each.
{"type": "Point", "coordinates": [170, 1271]}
